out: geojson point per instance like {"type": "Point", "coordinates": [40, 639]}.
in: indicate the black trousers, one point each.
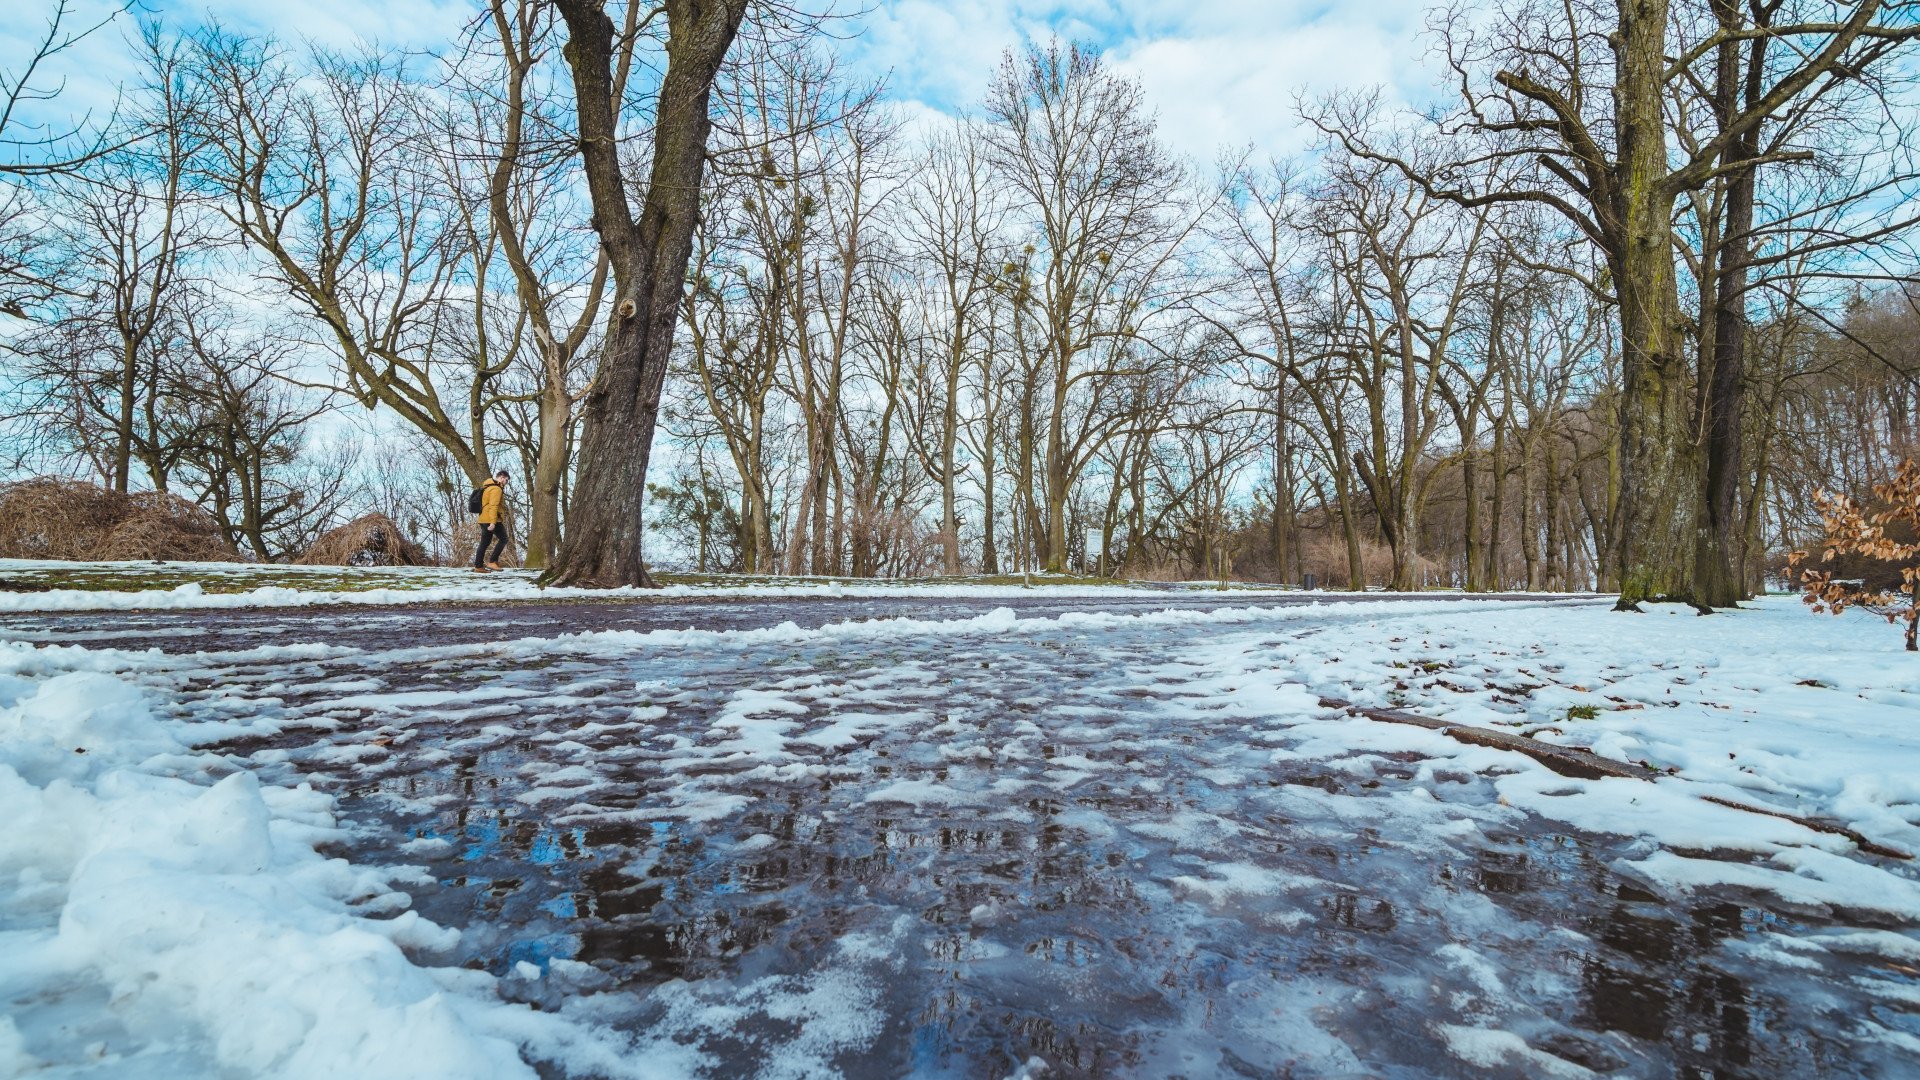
{"type": "Point", "coordinates": [496, 533]}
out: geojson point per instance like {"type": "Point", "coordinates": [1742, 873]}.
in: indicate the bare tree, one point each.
{"type": "Point", "coordinates": [242, 435]}
{"type": "Point", "coordinates": [320, 172]}
{"type": "Point", "coordinates": [1102, 201]}
{"type": "Point", "coordinates": [131, 235]}
{"type": "Point", "coordinates": [648, 252]}
{"type": "Point", "coordinates": [955, 221]}
{"type": "Point", "coordinates": [513, 114]}
{"type": "Point", "coordinates": [1575, 97]}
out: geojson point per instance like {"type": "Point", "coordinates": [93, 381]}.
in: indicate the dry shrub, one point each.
{"type": "Point", "coordinates": [368, 540]}
{"type": "Point", "coordinates": [1179, 570]}
{"type": "Point", "coordinates": [50, 518]}
{"type": "Point", "coordinates": [47, 518]}
{"type": "Point", "coordinates": [1325, 556]}
{"type": "Point", "coordinates": [1880, 544]}
{"type": "Point", "coordinates": [153, 536]}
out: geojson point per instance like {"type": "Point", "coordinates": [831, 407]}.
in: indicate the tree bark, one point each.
{"type": "Point", "coordinates": [649, 257]}
{"type": "Point", "coordinates": [1656, 450]}
{"type": "Point", "coordinates": [1490, 576]}
{"type": "Point", "coordinates": [1282, 486]}
{"type": "Point", "coordinates": [1719, 576]}
{"type": "Point", "coordinates": [549, 470]}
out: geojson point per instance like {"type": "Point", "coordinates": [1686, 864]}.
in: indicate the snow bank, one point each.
{"type": "Point", "coordinates": [184, 925]}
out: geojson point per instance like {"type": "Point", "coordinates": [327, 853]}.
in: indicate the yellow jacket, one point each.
{"type": "Point", "coordinates": [491, 496]}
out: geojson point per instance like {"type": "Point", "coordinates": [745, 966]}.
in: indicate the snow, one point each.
{"type": "Point", "coordinates": [159, 924]}
{"type": "Point", "coordinates": [441, 585]}
{"type": "Point", "coordinates": [164, 910]}
{"type": "Point", "coordinates": [1769, 706]}
{"type": "Point", "coordinates": [1489, 1049]}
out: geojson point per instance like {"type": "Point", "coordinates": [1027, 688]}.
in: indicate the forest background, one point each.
{"type": "Point", "coordinates": [1422, 297]}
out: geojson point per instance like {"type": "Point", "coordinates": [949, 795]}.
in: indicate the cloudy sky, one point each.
{"type": "Point", "coordinates": [1221, 73]}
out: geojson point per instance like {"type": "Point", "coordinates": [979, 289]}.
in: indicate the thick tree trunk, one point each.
{"type": "Point", "coordinates": [1657, 476]}
{"type": "Point", "coordinates": [1529, 527]}
{"type": "Point", "coordinates": [1470, 501]}
{"type": "Point", "coordinates": [1657, 495]}
{"type": "Point", "coordinates": [949, 440]}
{"type": "Point", "coordinates": [989, 541]}
{"type": "Point", "coordinates": [649, 256]}
{"type": "Point", "coordinates": [1553, 574]}
{"type": "Point", "coordinates": [1718, 582]}
{"type": "Point", "coordinates": [1057, 480]}
{"type": "Point", "coordinates": [819, 491]}
{"type": "Point", "coordinates": [1027, 542]}
{"type": "Point", "coordinates": [1406, 555]}
{"type": "Point", "coordinates": [1720, 579]}
{"type": "Point", "coordinates": [1406, 503]}
{"type": "Point", "coordinates": [838, 546]}
{"type": "Point", "coordinates": [1343, 494]}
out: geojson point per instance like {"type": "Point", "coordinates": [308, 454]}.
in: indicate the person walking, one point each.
{"type": "Point", "coordinates": [492, 498]}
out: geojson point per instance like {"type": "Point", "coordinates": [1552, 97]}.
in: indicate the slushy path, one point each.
{"type": "Point", "coordinates": [949, 848]}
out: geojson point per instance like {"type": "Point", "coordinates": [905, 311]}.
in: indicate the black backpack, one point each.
{"type": "Point", "coordinates": [473, 500]}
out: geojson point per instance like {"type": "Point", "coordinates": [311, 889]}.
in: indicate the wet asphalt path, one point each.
{"type": "Point", "coordinates": [875, 854]}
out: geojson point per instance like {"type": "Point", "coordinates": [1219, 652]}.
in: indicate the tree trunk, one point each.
{"type": "Point", "coordinates": [1553, 575]}
{"type": "Point", "coordinates": [649, 258]}
{"type": "Point", "coordinates": [989, 544]}
{"type": "Point", "coordinates": [1282, 490]}
{"type": "Point", "coordinates": [1657, 493]}
{"type": "Point", "coordinates": [549, 470]}
{"type": "Point", "coordinates": [949, 439]}
{"type": "Point", "coordinates": [1657, 478]}
{"type": "Point", "coordinates": [1529, 528]}
{"type": "Point", "coordinates": [1720, 579]}
{"type": "Point", "coordinates": [1056, 478]}
{"type": "Point", "coordinates": [1343, 494]}
{"type": "Point", "coordinates": [1470, 503]}
{"type": "Point", "coordinates": [838, 541]}
{"type": "Point", "coordinates": [1490, 577]}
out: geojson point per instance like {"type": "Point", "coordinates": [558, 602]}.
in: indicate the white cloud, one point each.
{"type": "Point", "coordinates": [1223, 74]}
{"type": "Point", "coordinates": [412, 24]}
